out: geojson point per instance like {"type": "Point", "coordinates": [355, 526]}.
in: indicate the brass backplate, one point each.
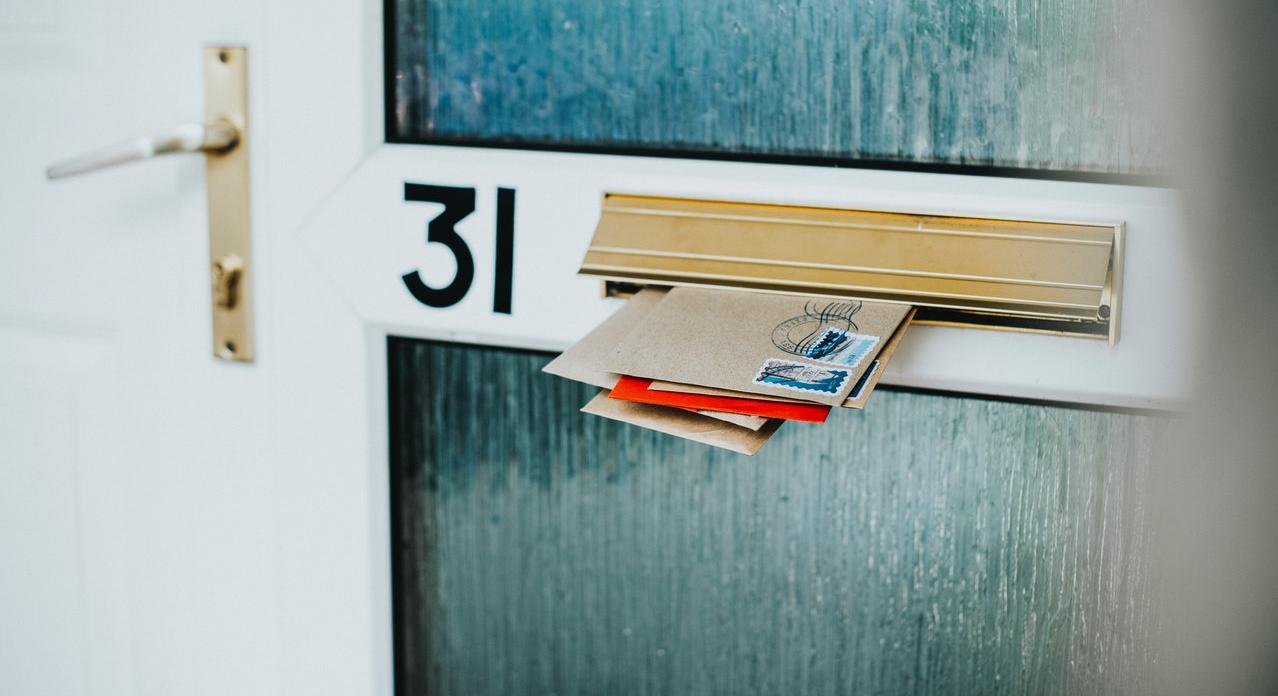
{"type": "Point", "coordinates": [230, 226]}
{"type": "Point", "coordinates": [1019, 275]}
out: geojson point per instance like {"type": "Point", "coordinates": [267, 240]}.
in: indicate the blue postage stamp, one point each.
{"type": "Point", "coordinates": [852, 348]}
{"type": "Point", "coordinates": [802, 377]}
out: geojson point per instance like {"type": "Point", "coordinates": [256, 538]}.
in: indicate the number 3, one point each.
{"type": "Point", "coordinates": [458, 203]}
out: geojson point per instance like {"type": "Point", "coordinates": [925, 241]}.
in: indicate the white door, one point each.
{"type": "Point", "coordinates": [149, 543]}
{"type": "Point", "coordinates": [171, 523]}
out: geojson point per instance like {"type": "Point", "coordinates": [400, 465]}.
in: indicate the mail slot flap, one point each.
{"type": "Point", "coordinates": [992, 273]}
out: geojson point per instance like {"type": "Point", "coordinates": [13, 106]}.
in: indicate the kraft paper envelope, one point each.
{"type": "Point", "coordinates": [751, 422]}
{"type": "Point", "coordinates": [583, 362]}
{"type": "Point", "coordinates": [807, 348]}
{"type": "Point", "coordinates": [685, 424]}
{"type": "Point", "coordinates": [859, 396]}
{"type": "Point", "coordinates": [661, 385]}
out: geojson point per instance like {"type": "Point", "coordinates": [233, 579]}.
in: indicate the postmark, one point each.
{"type": "Point", "coordinates": [788, 374]}
{"type": "Point", "coordinates": [819, 331]}
{"type": "Point", "coordinates": [825, 332]}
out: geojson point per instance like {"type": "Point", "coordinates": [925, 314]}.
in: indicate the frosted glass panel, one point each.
{"type": "Point", "coordinates": [1048, 84]}
{"type": "Point", "coordinates": [929, 544]}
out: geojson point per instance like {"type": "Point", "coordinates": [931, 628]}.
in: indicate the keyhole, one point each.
{"type": "Point", "coordinates": [226, 281]}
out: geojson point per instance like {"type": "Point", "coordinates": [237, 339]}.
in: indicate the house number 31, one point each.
{"type": "Point", "coordinates": [459, 202]}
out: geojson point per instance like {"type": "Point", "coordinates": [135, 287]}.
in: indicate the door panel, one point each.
{"type": "Point", "coordinates": [930, 544]}
{"type": "Point", "coordinates": [53, 445]}
{"type": "Point", "coordinates": [136, 497]}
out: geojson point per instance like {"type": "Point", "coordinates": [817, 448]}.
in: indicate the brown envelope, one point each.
{"type": "Point", "coordinates": [741, 419]}
{"type": "Point", "coordinates": [583, 362]}
{"type": "Point", "coordinates": [807, 348]}
{"type": "Point", "coordinates": [659, 385]}
{"type": "Point", "coordinates": [674, 421]}
{"type": "Point", "coordinates": [857, 399]}
{"type": "Point", "coordinates": [861, 396]}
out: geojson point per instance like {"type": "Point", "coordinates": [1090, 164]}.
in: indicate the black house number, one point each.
{"type": "Point", "coordinates": [459, 202]}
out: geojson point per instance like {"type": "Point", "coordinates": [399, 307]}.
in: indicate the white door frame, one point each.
{"type": "Point", "coordinates": [318, 98]}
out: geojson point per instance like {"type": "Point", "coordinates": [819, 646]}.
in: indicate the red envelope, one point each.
{"type": "Point", "coordinates": [636, 389]}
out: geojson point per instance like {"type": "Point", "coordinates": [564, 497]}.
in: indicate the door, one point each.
{"type": "Point", "coordinates": [933, 543]}
{"type": "Point", "coordinates": [132, 459]}
{"type": "Point", "coordinates": [140, 533]}
{"type": "Point", "coordinates": [173, 523]}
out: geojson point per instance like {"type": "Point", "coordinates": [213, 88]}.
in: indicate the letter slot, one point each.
{"type": "Point", "coordinates": [1018, 275]}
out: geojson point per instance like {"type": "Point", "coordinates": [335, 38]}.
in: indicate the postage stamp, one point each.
{"type": "Point", "coordinates": [800, 376]}
{"type": "Point", "coordinates": [853, 349]}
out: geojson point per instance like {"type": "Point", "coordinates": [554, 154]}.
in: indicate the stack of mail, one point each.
{"type": "Point", "coordinates": [727, 368]}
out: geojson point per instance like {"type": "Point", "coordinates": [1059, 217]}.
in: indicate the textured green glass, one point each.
{"type": "Point", "coordinates": [1048, 84]}
{"type": "Point", "coordinates": [928, 545]}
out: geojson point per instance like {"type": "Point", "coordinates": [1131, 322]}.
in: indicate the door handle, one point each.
{"type": "Point", "coordinates": [224, 136]}
{"type": "Point", "coordinates": [219, 135]}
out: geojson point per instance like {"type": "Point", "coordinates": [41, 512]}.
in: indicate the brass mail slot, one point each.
{"type": "Point", "coordinates": [1018, 275]}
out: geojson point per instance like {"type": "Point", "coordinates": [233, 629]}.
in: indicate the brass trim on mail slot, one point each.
{"type": "Point", "coordinates": [1019, 275]}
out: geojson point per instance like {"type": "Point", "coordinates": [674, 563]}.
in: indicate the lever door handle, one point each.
{"type": "Point", "coordinates": [219, 135]}
{"type": "Point", "coordinates": [225, 135]}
